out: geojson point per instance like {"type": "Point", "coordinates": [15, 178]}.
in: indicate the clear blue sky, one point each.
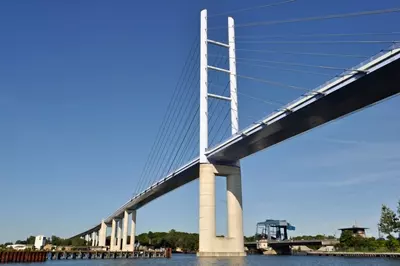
{"type": "Point", "coordinates": [82, 93]}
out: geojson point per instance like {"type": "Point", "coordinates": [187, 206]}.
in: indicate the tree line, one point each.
{"type": "Point", "coordinates": [188, 242]}
{"type": "Point", "coordinates": [389, 224]}
{"type": "Point", "coordinates": [54, 240]}
{"type": "Point", "coordinates": [350, 242]}
{"type": "Point", "coordinates": [316, 237]}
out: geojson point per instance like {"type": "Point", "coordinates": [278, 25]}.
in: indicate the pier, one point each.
{"type": "Point", "coordinates": [41, 256]}
{"type": "Point", "coordinates": [355, 254]}
{"type": "Point", "coordinates": [22, 256]}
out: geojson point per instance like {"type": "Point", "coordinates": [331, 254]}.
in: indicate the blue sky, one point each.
{"type": "Point", "coordinates": [83, 89]}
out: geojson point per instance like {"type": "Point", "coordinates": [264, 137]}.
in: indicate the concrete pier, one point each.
{"type": "Point", "coordinates": [209, 244]}
{"type": "Point", "coordinates": [102, 234]}
{"type": "Point", "coordinates": [119, 235]}
{"type": "Point", "coordinates": [125, 231]}
{"type": "Point", "coordinates": [133, 232]}
{"type": "Point", "coordinates": [113, 228]}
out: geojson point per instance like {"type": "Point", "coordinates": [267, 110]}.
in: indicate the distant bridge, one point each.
{"type": "Point", "coordinates": [272, 243]}
{"type": "Point", "coordinates": [284, 247]}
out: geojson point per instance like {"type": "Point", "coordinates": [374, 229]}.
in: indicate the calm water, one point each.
{"type": "Point", "coordinates": [252, 260]}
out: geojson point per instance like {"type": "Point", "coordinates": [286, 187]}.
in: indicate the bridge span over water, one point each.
{"type": "Point", "coordinates": [368, 83]}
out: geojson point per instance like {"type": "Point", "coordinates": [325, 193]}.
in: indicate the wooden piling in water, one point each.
{"type": "Point", "coordinates": [22, 256]}
{"type": "Point", "coordinates": [168, 253]}
{"type": "Point", "coordinates": [41, 256]}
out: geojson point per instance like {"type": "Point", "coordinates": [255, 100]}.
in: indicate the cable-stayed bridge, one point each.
{"type": "Point", "coordinates": [198, 140]}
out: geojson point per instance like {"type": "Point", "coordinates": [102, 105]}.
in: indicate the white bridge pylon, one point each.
{"type": "Point", "coordinates": [204, 94]}
{"type": "Point", "coordinates": [209, 244]}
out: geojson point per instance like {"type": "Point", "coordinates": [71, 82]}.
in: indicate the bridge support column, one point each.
{"type": "Point", "coordinates": [97, 238]}
{"type": "Point", "coordinates": [119, 235]}
{"type": "Point", "coordinates": [125, 231]}
{"type": "Point", "coordinates": [133, 232]}
{"type": "Point", "coordinates": [113, 228]}
{"type": "Point", "coordinates": [93, 238]}
{"type": "Point", "coordinates": [102, 234]}
{"type": "Point", "coordinates": [209, 244]}
{"type": "Point", "coordinates": [235, 209]}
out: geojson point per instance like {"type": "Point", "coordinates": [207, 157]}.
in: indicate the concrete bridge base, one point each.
{"type": "Point", "coordinates": [209, 244]}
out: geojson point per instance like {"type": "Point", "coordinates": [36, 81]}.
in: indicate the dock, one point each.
{"type": "Point", "coordinates": [22, 256]}
{"type": "Point", "coordinates": [355, 254]}
{"type": "Point", "coordinates": [42, 256]}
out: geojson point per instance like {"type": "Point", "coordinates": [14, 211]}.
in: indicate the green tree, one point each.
{"type": "Point", "coordinates": [398, 208]}
{"type": "Point", "coordinates": [398, 219]}
{"type": "Point", "coordinates": [317, 237]}
{"type": "Point", "coordinates": [55, 240]}
{"type": "Point", "coordinates": [30, 240]}
{"type": "Point", "coordinates": [250, 239]}
{"type": "Point", "coordinates": [143, 239]}
{"type": "Point", "coordinates": [346, 239]}
{"type": "Point", "coordinates": [172, 239]}
{"type": "Point", "coordinates": [370, 244]}
{"type": "Point", "coordinates": [392, 243]}
{"type": "Point", "coordinates": [388, 222]}
{"type": "Point", "coordinates": [150, 235]}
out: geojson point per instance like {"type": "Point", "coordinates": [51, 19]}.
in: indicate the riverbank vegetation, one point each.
{"type": "Point", "coordinates": [187, 242]}
{"type": "Point", "coordinates": [389, 225]}
{"type": "Point", "coordinates": [351, 243]}
{"type": "Point", "coordinates": [317, 237]}
{"type": "Point", "coordinates": [389, 222]}
{"type": "Point", "coordinates": [54, 240]}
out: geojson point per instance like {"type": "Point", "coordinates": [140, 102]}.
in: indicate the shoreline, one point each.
{"type": "Point", "coordinates": [349, 254]}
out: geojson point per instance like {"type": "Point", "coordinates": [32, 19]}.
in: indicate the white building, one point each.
{"type": "Point", "coordinates": [40, 241]}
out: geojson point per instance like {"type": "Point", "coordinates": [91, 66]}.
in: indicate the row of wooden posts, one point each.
{"type": "Point", "coordinates": [41, 256]}
{"type": "Point", "coordinates": [22, 256]}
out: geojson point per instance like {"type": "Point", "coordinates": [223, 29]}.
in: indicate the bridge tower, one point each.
{"type": "Point", "coordinates": [209, 244]}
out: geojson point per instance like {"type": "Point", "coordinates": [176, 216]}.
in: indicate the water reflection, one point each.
{"type": "Point", "coordinates": [235, 261]}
